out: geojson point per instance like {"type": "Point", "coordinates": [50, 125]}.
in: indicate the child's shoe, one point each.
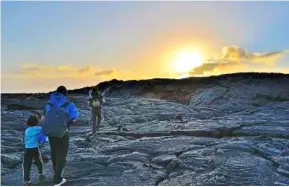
{"type": "Point", "coordinates": [27, 183]}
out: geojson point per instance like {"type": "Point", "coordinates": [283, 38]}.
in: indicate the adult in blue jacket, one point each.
{"type": "Point", "coordinates": [59, 146]}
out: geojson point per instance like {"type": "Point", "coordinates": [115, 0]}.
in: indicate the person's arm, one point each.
{"type": "Point", "coordinates": [46, 108]}
{"type": "Point", "coordinates": [24, 138]}
{"type": "Point", "coordinates": [73, 113]}
{"type": "Point", "coordinates": [100, 98]}
{"type": "Point", "coordinates": [41, 137]}
{"type": "Point", "coordinates": [89, 94]}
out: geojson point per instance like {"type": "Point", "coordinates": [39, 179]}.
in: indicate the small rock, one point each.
{"type": "Point", "coordinates": [283, 171]}
{"type": "Point", "coordinates": [10, 160]}
{"type": "Point", "coordinates": [135, 156]}
{"type": "Point", "coordinates": [163, 160]}
{"type": "Point", "coordinates": [280, 184]}
{"type": "Point", "coordinates": [173, 165]}
{"type": "Point", "coordinates": [174, 174]}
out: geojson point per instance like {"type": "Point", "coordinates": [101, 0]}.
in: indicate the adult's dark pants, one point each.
{"type": "Point", "coordinates": [31, 154]}
{"type": "Point", "coordinates": [59, 149]}
{"type": "Point", "coordinates": [96, 118]}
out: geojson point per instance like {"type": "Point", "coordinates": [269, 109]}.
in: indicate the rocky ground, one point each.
{"type": "Point", "coordinates": [228, 131]}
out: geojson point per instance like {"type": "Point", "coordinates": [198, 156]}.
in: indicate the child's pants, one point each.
{"type": "Point", "coordinates": [29, 155]}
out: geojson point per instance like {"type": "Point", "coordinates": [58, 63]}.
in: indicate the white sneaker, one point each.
{"type": "Point", "coordinates": [62, 182]}
{"type": "Point", "coordinates": [27, 183]}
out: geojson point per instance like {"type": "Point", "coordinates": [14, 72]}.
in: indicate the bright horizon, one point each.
{"type": "Point", "coordinates": [78, 44]}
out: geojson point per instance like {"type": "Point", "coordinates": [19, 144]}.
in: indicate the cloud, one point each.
{"type": "Point", "coordinates": [37, 71]}
{"type": "Point", "coordinates": [37, 77]}
{"type": "Point", "coordinates": [235, 53]}
{"type": "Point", "coordinates": [44, 70]}
{"type": "Point", "coordinates": [104, 72]}
{"type": "Point", "coordinates": [85, 69]}
{"type": "Point", "coordinates": [210, 67]}
{"type": "Point", "coordinates": [68, 69]}
{"type": "Point", "coordinates": [28, 69]}
{"type": "Point", "coordinates": [234, 59]}
{"type": "Point", "coordinates": [268, 58]}
{"type": "Point", "coordinates": [218, 67]}
{"type": "Point", "coordinates": [48, 71]}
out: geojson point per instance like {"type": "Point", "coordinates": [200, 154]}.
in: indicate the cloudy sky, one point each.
{"type": "Point", "coordinates": [45, 44]}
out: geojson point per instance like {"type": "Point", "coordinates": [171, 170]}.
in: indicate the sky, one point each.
{"type": "Point", "coordinates": [77, 44]}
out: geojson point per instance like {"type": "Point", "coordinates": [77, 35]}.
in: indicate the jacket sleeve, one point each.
{"type": "Point", "coordinates": [41, 137]}
{"type": "Point", "coordinates": [44, 111]}
{"type": "Point", "coordinates": [73, 111]}
{"type": "Point", "coordinates": [46, 108]}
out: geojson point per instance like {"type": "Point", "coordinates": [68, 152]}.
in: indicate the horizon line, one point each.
{"type": "Point", "coordinates": [190, 77]}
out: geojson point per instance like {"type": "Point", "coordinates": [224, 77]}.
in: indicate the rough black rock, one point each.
{"type": "Point", "coordinates": [224, 130]}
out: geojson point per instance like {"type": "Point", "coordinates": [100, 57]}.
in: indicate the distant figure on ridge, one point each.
{"type": "Point", "coordinates": [95, 101]}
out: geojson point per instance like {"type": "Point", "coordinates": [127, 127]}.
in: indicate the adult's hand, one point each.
{"type": "Point", "coordinates": [72, 121]}
{"type": "Point", "coordinates": [42, 118]}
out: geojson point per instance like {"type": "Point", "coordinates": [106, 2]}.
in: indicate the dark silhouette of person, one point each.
{"type": "Point", "coordinates": [59, 145]}
{"type": "Point", "coordinates": [95, 101]}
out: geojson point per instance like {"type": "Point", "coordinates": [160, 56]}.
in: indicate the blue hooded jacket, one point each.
{"type": "Point", "coordinates": [59, 100]}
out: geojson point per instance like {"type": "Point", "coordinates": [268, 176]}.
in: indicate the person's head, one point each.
{"type": "Point", "coordinates": [94, 89]}
{"type": "Point", "coordinates": [62, 90]}
{"type": "Point", "coordinates": [32, 121]}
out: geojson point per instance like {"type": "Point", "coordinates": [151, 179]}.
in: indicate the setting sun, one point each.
{"type": "Point", "coordinates": [185, 60]}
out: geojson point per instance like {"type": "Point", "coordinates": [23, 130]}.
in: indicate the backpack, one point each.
{"type": "Point", "coordinates": [95, 103]}
{"type": "Point", "coordinates": [56, 121]}
{"type": "Point", "coordinates": [95, 99]}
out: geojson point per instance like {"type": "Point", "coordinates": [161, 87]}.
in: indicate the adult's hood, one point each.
{"type": "Point", "coordinates": [57, 99]}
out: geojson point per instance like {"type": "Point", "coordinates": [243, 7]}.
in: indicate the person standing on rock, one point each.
{"type": "Point", "coordinates": [95, 101]}
{"type": "Point", "coordinates": [59, 114]}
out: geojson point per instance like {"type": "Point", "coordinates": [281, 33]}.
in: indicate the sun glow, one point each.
{"type": "Point", "coordinates": [185, 60]}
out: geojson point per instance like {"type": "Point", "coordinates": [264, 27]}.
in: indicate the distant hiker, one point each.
{"type": "Point", "coordinates": [95, 101]}
{"type": "Point", "coordinates": [33, 137]}
{"type": "Point", "coordinates": [59, 115]}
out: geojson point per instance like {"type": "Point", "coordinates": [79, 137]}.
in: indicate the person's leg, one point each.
{"type": "Point", "coordinates": [98, 113]}
{"type": "Point", "coordinates": [61, 159]}
{"type": "Point", "coordinates": [43, 156]}
{"type": "Point", "coordinates": [38, 161]}
{"type": "Point", "coordinates": [27, 162]}
{"type": "Point", "coordinates": [93, 116]}
{"type": "Point", "coordinates": [54, 146]}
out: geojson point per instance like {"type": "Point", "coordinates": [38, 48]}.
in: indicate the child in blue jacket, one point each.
{"type": "Point", "coordinates": [33, 138]}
